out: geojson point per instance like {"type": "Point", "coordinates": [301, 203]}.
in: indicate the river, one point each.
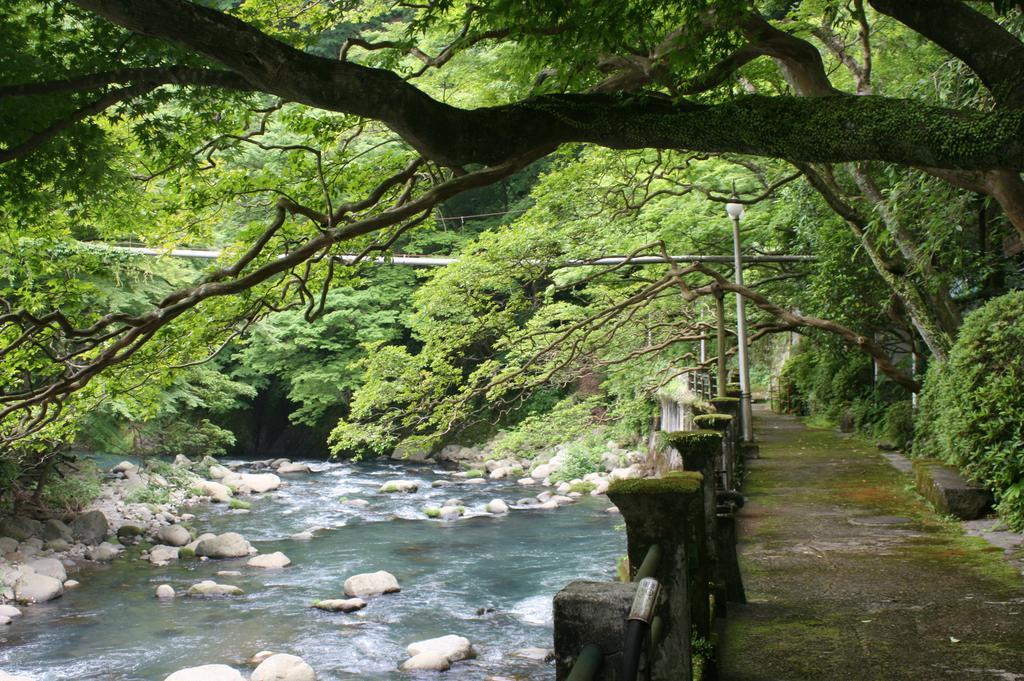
{"type": "Point", "coordinates": [488, 578]}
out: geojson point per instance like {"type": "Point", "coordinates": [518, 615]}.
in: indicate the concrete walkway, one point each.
{"type": "Point", "coordinates": [849, 575]}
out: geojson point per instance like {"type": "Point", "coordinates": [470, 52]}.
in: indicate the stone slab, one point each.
{"type": "Point", "coordinates": [949, 491]}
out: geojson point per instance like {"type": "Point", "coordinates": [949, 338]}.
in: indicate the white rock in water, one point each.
{"type": "Point", "coordinates": [51, 567]}
{"type": "Point", "coordinates": [340, 604]}
{"type": "Point", "coordinates": [476, 481]}
{"type": "Point", "coordinates": [210, 588]}
{"type": "Point", "coordinates": [124, 467]}
{"type": "Point", "coordinates": [357, 503]}
{"type": "Point", "coordinates": [207, 672]}
{"type": "Point", "coordinates": [162, 555]}
{"type": "Point", "coordinates": [259, 483]}
{"type": "Point", "coordinates": [539, 654]}
{"type": "Point", "coordinates": [450, 513]}
{"type": "Point", "coordinates": [526, 481]}
{"type": "Point", "coordinates": [218, 472]}
{"type": "Point", "coordinates": [371, 584]}
{"type": "Point", "coordinates": [497, 506]}
{"type": "Point", "coordinates": [542, 471]}
{"type": "Point", "coordinates": [227, 545]}
{"type": "Point", "coordinates": [71, 584]}
{"type": "Point", "coordinates": [564, 488]}
{"type": "Point", "coordinates": [283, 668]}
{"type": "Point", "coordinates": [438, 653]}
{"type": "Point", "coordinates": [36, 588]}
{"type": "Point", "coordinates": [430, 662]}
{"type": "Point", "coordinates": [216, 491]}
{"type": "Point", "coordinates": [173, 535]}
{"type": "Point", "coordinates": [270, 560]}
{"type": "Point", "coordinates": [104, 553]}
{"type": "Point", "coordinates": [289, 467]}
{"type": "Point", "coordinates": [260, 656]}
{"type": "Point", "coordinates": [9, 611]}
{"type": "Point", "coordinates": [407, 486]}
{"type": "Point", "coordinates": [305, 535]}
{"type": "Point", "coordinates": [164, 591]}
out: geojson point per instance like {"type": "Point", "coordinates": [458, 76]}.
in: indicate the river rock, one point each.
{"type": "Point", "coordinates": [526, 481]}
{"type": "Point", "coordinates": [406, 486]}
{"type": "Point", "coordinates": [218, 472]}
{"type": "Point", "coordinates": [71, 584]}
{"type": "Point", "coordinates": [125, 467]}
{"type": "Point", "coordinates": [539, 654]}
{"type": "Point", "coordinates": [549, 505]}
{"type": "Point", "coordinates": [207, 672]}
{"type": "Point", "coordinates": [500, 473]}
{"type": "Point", "coordinates": [476, 481]}
{"type": "Point", "coordinates": [8, 545]}
{"type": "Point", "coordinates": [227, 545]}
{"type": "Point", "coordinates": [20, 528]}
{"type": "Point", "coordinates": [208, 587]}
{"type": "Point", "coordinates": [371, 584]}
{"type": "Point", "coordinates": [58, 545]}
{"type": "Point", "coordinates": [542, 471]}
{"type": "Point", "coordinates": [104, 553]}
{"type": "Point", "coordinates": [173, 535]}
{"type": "Point", "coordinates": [425, 654]}
{"type": "Point", "coordinates": [182, 461]}
{"type": "Point", "coordinates": [270, 560]}
{"type": "Point", "coordinates": [450, 513]}
{"type": "Point", "coordinates": [340, 604]}
{"type": "Point", "coordinates": [305, 535]}
{"type": "Point", "coordinates": [259, 657]}
{"type": "Point", "coordinates": [162, 555]}
{"type": "Point", "coordinates": [90, 527]}
{"type": "Point", "coordinates": [9, 611]}
{"type": "Point", "coordinates": [283, 667]}
{"type": "Point", "coordinates": [51, 567]}
{"type": "Point", "coordinates": [35, 588]}
{"type": "Point", "coordinates": [217, 492]}
{"type": "Point", "coordinates": [426, 662]}
{"type": "Point", "coordinates": [290, 467]}
{"type": "Point", "coordinates": [56, 529]}
{"type": "Point", "coordinates": [357, 503]}
{"type": "Point", "coordinates": [258, 483]}
{"type": "Point", "coordinates": [497, 507]}
{"type": "Point", "coordinates": [563, 488]}
{"type": "Point", "coordinates": [164, 592]}
{"type": "Point", "coordinates": [562, 500]}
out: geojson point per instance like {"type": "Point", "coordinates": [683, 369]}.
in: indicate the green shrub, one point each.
{"type": "Point", "coordinates": [474, 473]}
{"type": "Point", "coordinates": [581, 457]}
{"type": "Point", "coordinates": [239, 504]}
{"type": "Point", "coordinates": [149, 495]}
{"type": "Point", "coordinates": [568, 419]}
{"type": "Point", "coordinates": [583, 487]}
{"type": "Point", "coordinates": [73, 490]}
{"type": "Point", "coordinates": [972, 406]}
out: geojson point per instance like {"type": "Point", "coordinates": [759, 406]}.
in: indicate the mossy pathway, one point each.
{"type": "Point", "coordinates": [851, 576]}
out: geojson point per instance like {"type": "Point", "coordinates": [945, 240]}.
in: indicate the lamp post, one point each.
{"type": "Point", "coordinates": [735, 212]}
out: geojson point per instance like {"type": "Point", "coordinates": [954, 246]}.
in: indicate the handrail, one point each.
{"type": "Point", "coordinates": [588, 662]}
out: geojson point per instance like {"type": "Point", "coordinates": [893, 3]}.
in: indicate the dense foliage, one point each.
{"type": "Point", "coordinates": [972, 410]}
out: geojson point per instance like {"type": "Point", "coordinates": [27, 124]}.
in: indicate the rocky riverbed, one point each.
{"type": "Point", "coordinates": [229, 570]}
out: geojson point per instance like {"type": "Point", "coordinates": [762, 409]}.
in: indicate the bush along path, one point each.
{"type": "Point", "coordinates": [851, 576]}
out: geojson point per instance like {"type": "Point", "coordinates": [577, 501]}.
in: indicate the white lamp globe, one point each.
{"type": "Point", "coordinates": [735, 210]}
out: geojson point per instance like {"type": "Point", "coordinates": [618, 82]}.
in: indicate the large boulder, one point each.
{"type": "Point", "coordinates": [438, 653]}
{"type": "Point", "coordinates": [20, 528]}
{"type": "Point", "coordinates": [210, 588]}
{"type": "Point", "coordinates": [173, 535]}
{"type": "Point", "coordinates": [162, 555]}
{"type": "Point", "coordinates": [56, 529]}
{"type": "Point", "coordinates": [90, 527]}
{"type": "Point", "coordinates": [51, 567]}
{"type": "Point", "coordinates": [259, 482]}
{"type": "Point", "coordinates": [227, 545]}
{"type": "Point", "coordinates": [371, 584]}
{"type": "Point", "coordinates": [270, 560]}
{"type": "Point", "coordinates": [207, 672]}
{"type": "Point", "coordinates": [8, 545]}
{"type": "Point", "coordinates": [283, 667]}
{"type": "Point", "coordinates": [217, 492]}
{"type": "Point", "coordinates": [9, 611]}
{"type": "Point", "coordinates": [497, 507]}
{"type": "Point", "coordinates": [104, 553]}
{"type": "Point", "coordinates": [32, 587]}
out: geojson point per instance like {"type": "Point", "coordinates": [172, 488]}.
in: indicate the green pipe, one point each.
{"type": "Point", "coordinates": [650, 564]}
{"type": "Point", "coordinates": [657, 630]}
{"type": "Point", "coordinates": [587, 664]}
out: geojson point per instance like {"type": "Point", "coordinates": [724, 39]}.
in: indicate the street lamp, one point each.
{"type": "Point", "coordinates": [735, 212]}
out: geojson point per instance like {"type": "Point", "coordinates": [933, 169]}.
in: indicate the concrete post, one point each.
{"type": "Point", "coordinates": [669, 512]}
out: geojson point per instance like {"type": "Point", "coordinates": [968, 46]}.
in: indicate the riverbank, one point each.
{"type": "Point", "coordinates": [330, 523]}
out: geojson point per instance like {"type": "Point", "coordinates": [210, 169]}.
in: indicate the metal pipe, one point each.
{"type": "Point", "coordinates": [588, 662]}
{"type": "Point", "coordinates": [648, 591]}
{"type": "Point", "coordinates": [650, 564]}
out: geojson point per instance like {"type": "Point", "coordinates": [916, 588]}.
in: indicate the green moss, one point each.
{"type": "Point", "coordinates": [239, 504]}
{"type": "Point", "coordinates": [432, 512]}
{"type": "Point", "coordinates": [474, 473]}
{"type": "Point", "coordinates": [713, 421]}
{"type": "Point", "coordinates": [696, 442]}
{"type": "Point", "coordinates": [583, 487]}
{"type": "Point", "coordinates": [677, 482]}
{"type": "Point", "coordinates": [186, 552]}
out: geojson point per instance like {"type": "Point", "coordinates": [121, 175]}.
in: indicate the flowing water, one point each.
{"type": "Point", "coordinates": [488, 578]}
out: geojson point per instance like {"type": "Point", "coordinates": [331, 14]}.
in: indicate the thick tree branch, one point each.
{"type": "Point", "coordinates": [826, 129]}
